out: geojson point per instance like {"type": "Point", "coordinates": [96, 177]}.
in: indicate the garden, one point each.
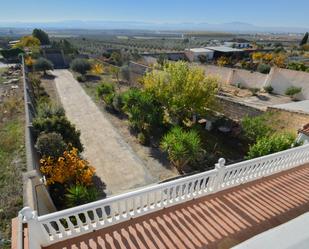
{"type": "Point", "coordinates": [174, 110]}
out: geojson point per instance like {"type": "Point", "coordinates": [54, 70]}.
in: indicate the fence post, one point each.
{"type": "Point", "coordinates": [35, 234]}
{"type": "Point", "coordinates": [220, 174]}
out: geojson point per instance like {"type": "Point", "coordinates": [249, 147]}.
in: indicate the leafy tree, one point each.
{"type": "Point", "coordinates": [183, 90]}
{"type": "Point", "coordinates": [292, 91]}
{"type": "Point", "coordinates": [181, 146]}
{"type": "Point", "coordinates": [41, 36]}
{"type": "Point", "coordinates": [115, 71]}
{"type": "Point", "coordinates": [280, 60]}
{"type": "Point", "coordinates": [80, 66]}
{"type": "Point", "coordinates": [78, 195]}
{"type": "Point", "coordinates": [116, 59]}
{"type": "Point", "coordinates": [162, 58]}
{"type": "Point", "coordinates": [304, 40]}
{"type": "Point", "coordinates": [263, 68]}
{"type": "Point", "coordinates": [50, 144]}
{"type": "Point", "coordinates": [257, 127]}
{"type": "Point", "coordinates": [43, 64]}
{"type": "Point", "coordinates": [68, 169]}
{"type": "Point", "coordinates": [271, 144]}
{"type": "Point", "coordinates": [144, 111]}
{"type": "Point", "coordinates": [29, 42]}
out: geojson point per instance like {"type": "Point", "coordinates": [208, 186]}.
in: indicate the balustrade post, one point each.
{"type": "Point", "coordinates": [36, 236]}
{"type": "Point", "coordinates": [220, 174]}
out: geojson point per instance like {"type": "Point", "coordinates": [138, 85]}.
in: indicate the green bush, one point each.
{"type": "Point", "coordinates": [105, 88]}
{"type": "Point", "coordinates": [61, 125]}
{"type": "Point", "coordinates": [268, 89]}
{"type": "Point", "coordinates": [48, 110]}
{"type": "Point", "coordinates": [181, 146]}
{"type": "Point", "coordinates": [43, 64]}
{"type": "Point", "coordinates": [107, 92]}
{"type": "Point", "coordinates": [257, 127]}
{"type": "Point", "coordinates": [50, 144]}
{"type": "Point", "coordinates": [271, 144]}
{"type": "Point", "coordinates": [292, 91]}
{"type": "Point", "coordinates": [264, 68]}
{"type": "Point", "coordinates": [78, 194]}
{"type": "Point", "coordinates": [80, 66]}
{"type": "Point", "coordinates": [144, 111]}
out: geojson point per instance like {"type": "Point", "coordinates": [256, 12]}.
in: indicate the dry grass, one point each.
{"type": "Point", "coordinates": [12, 158]}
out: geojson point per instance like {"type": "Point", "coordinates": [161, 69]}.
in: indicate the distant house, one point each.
{"type": "Point", "coordinates": [193, 54]}
{"type": "Point", "coordinates": [303, 134]}
{"type": "Point", "coordinates": [219, 51]}
{"type": "Point", "coordinates": [237, 43]}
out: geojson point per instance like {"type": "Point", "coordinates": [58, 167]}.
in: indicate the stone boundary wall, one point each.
{"type": "Point", "coordinates": [235, 110]}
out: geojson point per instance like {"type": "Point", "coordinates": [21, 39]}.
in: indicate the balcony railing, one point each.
{"type": "Point", "coordinates": [49, 229]}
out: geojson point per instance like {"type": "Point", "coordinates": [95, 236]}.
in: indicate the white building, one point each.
{"type": "Point", "coordinates": [193, 54]}
{"type": "Point", "coordinates": [237, 43]}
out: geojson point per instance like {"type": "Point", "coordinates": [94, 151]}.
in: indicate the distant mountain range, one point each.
{"type": "Point", "coordinates": [223, 27]}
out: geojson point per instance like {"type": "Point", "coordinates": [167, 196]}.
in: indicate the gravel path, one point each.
{"type": "Point", "coordinates": [115, 162]}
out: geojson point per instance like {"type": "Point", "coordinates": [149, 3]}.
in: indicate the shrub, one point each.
{"type": "Point", "coordinates": [61, 125]}
{"type": "Point", "coordinates": [257, 127]}
{"type": "Point", "coordinates": [254, 91]}
{"type": "Point", "coordinates": [144, 111]}
{"type": "Point", "coordinates": [50, 144]}
{"type": "Point", "coordinates": [263, 68]}
{"type": "Point", "coordinates": [43, 64]}
{"type": "Point", "coordinates": [292, 91]}
{"type": "Point", "coordinates": [268, 89]}
{"type": "Point", "coordinates": [80, 66]}
{"type": "Point", "coordinates": [182, 147]}
{"type": "Point", "coordinates": [68, 169]}
{"type": "Point", "coordinates": [78, 194]}
{"type": "Point", "coordinates": [105, 88]}
{"type": "Point", "coordinates": [271, 144]}
{"type": "Point", "coordinates": [48, 110]}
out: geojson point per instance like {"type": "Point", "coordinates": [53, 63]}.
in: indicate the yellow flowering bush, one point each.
{"type": "Point", "coordinates": [69, 168]}
{"type": "Point", "coordinates": [97, 68]}
{"type": "Point", "coordinates": [29, 61]}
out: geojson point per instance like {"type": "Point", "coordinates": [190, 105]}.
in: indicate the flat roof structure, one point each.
{"type": "Point", "coordinates": [224, 49]}
{"type": "Point", "coordinates": [201, 50]}
{"type": "Point", "coordinates": [299, 106]}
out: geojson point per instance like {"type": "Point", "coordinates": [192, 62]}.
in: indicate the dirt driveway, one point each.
{"type": "Point", "coordinates": [115, 162]}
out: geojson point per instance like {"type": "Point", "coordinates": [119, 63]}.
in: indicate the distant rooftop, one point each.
{"type": "Point", "coordinates": [239, 40]}
{"type": "Point", "coordinates": [299, 106]}
{"type": "Point", "coordinates": [224, 49]}
{"type": "Point", "coordinates": [200, 50]}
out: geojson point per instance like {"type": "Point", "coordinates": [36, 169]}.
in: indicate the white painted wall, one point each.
{"type": "Point", "coordinates": [281, 79]}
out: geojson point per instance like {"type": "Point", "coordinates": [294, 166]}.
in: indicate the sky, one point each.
{"type": "Point", "coordinates": [289, 13]}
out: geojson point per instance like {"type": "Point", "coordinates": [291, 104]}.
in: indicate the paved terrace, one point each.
{"type": "Point", "coordinates": [220, 220]}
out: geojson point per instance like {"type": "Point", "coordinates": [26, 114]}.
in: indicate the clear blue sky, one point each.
{"type": "Point", "coordinates": [259, 12]}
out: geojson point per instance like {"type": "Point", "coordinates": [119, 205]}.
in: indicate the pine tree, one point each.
{"type": "Point", "coordinates": [304, 40]}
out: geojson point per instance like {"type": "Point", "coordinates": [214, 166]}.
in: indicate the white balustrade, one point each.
{"type": "Point", "coordinates": [69, 223]}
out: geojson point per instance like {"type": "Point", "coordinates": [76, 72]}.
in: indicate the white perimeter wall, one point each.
{"type": "Point", "coordinates": [280, 79]}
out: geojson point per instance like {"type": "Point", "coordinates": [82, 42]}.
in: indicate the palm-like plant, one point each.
{"type": "Point", "coordinates": [78, 194]}
{"type": "Point", "coordinates": [182, 147]}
